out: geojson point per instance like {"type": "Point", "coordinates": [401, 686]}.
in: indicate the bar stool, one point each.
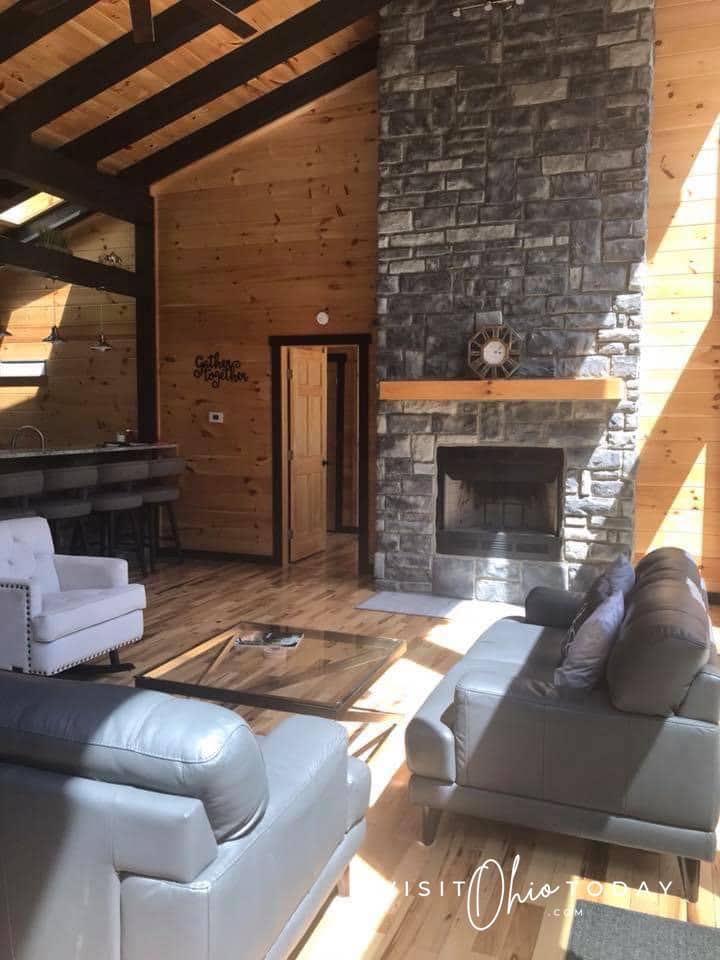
{"type": "Point", "coordinates": [121, 501]}
{"type": "Point", "coordinates": [15, 492]}
{"type": "Point", "coordinates": [77, 508]}
{"type": "Point", "coordinates": [158, 495]}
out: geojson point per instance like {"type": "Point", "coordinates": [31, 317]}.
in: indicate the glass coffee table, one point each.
{"type": "Point", "coordinates": [325, 675]}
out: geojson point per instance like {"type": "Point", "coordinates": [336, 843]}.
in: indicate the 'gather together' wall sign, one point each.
{"type": "Point", "coordinates": [213, 369]}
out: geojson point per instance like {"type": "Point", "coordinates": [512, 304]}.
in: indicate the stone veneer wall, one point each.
{"type": "Point", "coordinates": [513, 188]}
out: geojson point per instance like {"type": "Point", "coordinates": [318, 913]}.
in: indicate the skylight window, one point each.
{"type": "Point", "coordinates": [32, 207]}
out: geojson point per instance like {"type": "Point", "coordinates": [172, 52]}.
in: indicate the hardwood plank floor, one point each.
{"type": "Point", "coordinates": [384, 919]}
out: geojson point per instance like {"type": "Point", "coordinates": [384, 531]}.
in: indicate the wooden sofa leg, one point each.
{"type": "Point", "coordinates": [343, 884]}
{"type": "Point", "coordinates": [430, 821]}
{"type": "Point", "coordinates": [690, 873]}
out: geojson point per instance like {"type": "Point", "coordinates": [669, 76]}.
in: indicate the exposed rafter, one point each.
{"type": "Point", "coordinates": [271, 48]}
{"type": "Point", "coordinates": [291, 96]}
{"type": "Point", "coordinates": [49, 170]}
{"type": "Point", "coordinates": [23, 24]}
{"type": "Point", "coordinates": [66, 267]}
{"type": "Point", "coordinates": [107, 66]}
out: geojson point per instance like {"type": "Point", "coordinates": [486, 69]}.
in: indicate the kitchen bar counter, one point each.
{"type": "Point", "coordinates": [35, 457]}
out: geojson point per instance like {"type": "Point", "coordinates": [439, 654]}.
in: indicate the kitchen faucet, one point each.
{"type": "Point", "coordinates": [28, 426]}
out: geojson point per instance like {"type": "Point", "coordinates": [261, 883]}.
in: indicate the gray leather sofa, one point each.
{"type": "Point", "coordinates": [139, 826]}
{"type": "Point", "coordinates": [496, 739]}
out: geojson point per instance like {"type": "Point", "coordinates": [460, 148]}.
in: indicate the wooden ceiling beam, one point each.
{"type": "Point", "coordinates": [271, 48]}
{"type": "Point", "coordinates": [64, 266]}
{"type": "Point", "coordinates": [107, 66]}
{"type": "Point", "coordinates": [27, 163]}
{"type": "Point", "coordinates": [290, 96]}
{"type": "Point", "coordinates": [23, 23]}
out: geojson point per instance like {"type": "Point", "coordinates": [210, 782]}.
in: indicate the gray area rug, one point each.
{"type": "Point", "coordinates": [445, 608]}
{"type": "Point", "coordinates": [607, 933]}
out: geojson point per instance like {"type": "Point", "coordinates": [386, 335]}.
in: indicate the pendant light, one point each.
{"type": "Point", "coordinates": [101, 342]}
{"type": "Point", "coordinates": [54, 336]}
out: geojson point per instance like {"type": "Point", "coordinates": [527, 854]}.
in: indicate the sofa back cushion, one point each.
{"type": "Point", "coordinates": [665, 638]}
{"type": "Point", "coordinates": [26, 553]}
{"type": "Point", "coordinates": [139, 738]}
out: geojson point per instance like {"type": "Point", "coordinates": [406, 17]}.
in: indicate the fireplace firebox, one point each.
{"type": "Point", "coordinates": [498, 501]}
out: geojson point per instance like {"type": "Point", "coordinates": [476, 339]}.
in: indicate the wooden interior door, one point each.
{"type": "Point", "coordinates": [307, 439]}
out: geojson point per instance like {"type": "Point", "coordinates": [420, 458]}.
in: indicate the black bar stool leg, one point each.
{"type": "Point", "coordinates": [137, 524]}
{"type": "Point", "coordinates": [111, 533]}
{"type": "Point", "coordinates": [82, 532]}
{"type": "Point", "coordinates": [150, 526]}
{"type": "Point", "coordinates": [170, 507]}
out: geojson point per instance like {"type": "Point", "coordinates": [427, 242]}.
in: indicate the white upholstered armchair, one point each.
{"type": "Point", "coordinates": [59, 611]}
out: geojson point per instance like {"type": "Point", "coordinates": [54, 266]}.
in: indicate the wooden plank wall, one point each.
{"type": "Point", "coordinates": [678, 492]}
{"type": "Point", "coordinates": [253, 242]}
{"type": "Point", "coordinates": [88, 396]}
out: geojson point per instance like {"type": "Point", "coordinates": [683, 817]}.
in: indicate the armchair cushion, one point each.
{"type": "Point", "coordinates": [73, 610]}
{"type": "Point", "coordinates": [26, 553]}
{"type": "Point", "coordinates": [80, 573]}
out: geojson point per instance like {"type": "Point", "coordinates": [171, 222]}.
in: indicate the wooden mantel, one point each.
{"type": "Point", "coordinates": [606, 388]}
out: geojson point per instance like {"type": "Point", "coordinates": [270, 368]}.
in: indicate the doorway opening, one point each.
{"type": "Point", "coordinates": [321, 438]}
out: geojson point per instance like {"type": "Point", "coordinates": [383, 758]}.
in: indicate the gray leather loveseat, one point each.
{"type": "Point", "coordinates": [139, 826]}
{"type": "Point", "coordinates": [635, 762]}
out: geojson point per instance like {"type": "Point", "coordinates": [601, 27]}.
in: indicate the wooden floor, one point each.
{"type": "Point", "coordinates": [382, 918]}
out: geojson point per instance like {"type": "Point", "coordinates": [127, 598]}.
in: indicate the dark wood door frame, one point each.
{"type": "Point", "coordinates": [340, 360]}
{"type": "Point", "coordinates": [362, 342]}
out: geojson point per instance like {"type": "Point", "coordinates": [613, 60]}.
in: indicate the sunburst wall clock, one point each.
{"type": "Point", "coordinates": [494, 351]}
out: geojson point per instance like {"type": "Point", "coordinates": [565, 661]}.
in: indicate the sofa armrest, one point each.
{"type": "Point", "coordinates": [703, 698]}
{"type": "Point", "coordinates": [19, 602]}
{"type": "Point", "coordinates": [518, 736]}
{"type": "Point", "coordinates": [86, 573]}
{"type": "Point", "coordinates": [552, 608]}
{"type": "Point", "coordinates": [358, 783]}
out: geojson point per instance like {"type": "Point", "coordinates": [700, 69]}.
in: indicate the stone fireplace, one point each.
{"type": "Point", "coordinates": [513, 186]}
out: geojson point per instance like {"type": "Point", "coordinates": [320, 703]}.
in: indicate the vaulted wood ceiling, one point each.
{"type": "Point", "coordinates": [76, 88]}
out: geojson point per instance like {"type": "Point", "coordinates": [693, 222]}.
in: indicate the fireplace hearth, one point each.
{"type": "Point", "coordinates": [496, 501]}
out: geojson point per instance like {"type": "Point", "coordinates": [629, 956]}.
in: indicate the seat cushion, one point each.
{"type": "Point", "coordinates": [515, 641]}
{"type": "Point", "coordinates": [72, 610]}
{"type": "Point", "coordinates": [63, 508]}
{"type": "Point", "coordinates": [160, 494]}
{"type": "Point", "coordinates": [16, 513]}
{"type": "Point", "coordinates": [116, 500]}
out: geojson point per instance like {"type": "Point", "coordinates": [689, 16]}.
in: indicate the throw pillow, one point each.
{"type": "Point", "coordinates": [619, 577]}
{"type": "Point", "coordinates": [583, 666]}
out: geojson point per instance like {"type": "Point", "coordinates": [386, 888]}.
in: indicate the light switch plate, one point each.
{"type": "Point", "coordinates": [216, 416]}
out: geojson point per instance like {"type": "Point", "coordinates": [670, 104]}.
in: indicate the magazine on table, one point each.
{"type": "Point", "coordinates": [278, 638]}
